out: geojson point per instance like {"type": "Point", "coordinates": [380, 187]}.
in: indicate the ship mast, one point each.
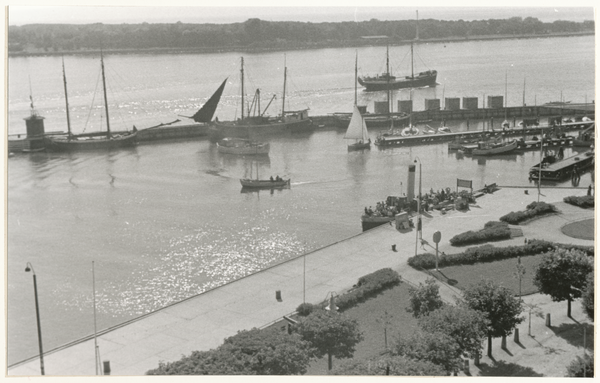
{"type": "Point", "coordinates": [355, 79]}
{"type": "Point", "coordinates": [66, 98]}
{"type": "Point", "coordinates": [284, 83]}
{"type": "Point", "coordinates": [105, 99]}
{"type": "Point", "coordinates": [242, 75]}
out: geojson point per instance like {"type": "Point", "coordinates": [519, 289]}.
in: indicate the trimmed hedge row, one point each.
{"type": "Point", "coordinates": [533, 209]}
{"type": "Point", "coordinates": [492, 231]}
{"type": "Point", "coordinates": [584, 202]}
{"type": "Point", "coordinates": [489, 253]}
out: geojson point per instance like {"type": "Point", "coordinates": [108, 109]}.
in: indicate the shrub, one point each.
{"type": "Point", "coordinates": [489, 253]}
{"type": "Point", "coordinates": [304, 309]}
{"type": "Point", "coordinates": [534, 209]}
{"type": "Point", "coordinates": [584, 202]}
{"type": "Point", "coordinates": [492, 231]}
{"type": "Point", "coordinates": [367, 286]}
{"type": "Point", "coordinates": [579, 365]}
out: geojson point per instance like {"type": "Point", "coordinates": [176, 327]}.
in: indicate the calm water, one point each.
{"type": "Point", "coordinates": [165, 221]}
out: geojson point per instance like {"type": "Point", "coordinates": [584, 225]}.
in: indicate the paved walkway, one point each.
{"type": "Point", "coordinates": [203, 321]}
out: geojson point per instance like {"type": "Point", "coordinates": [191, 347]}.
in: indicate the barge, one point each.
{"type": "Point", "coordinates": [553, 169]}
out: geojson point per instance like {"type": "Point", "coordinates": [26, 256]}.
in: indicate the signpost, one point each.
{"type": "Point", "coordinates": [437, 237]}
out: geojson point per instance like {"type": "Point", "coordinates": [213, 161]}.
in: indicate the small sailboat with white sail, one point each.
{"type": "Point", "coordinates": [357, 129]}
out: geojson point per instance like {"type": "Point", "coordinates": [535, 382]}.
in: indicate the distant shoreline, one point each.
{"type": "Point", "coordinates": [291, 47]}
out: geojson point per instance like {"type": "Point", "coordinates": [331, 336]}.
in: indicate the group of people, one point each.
{"type": "Point", "coordinates": [382, 209]}
{"type": "Point", "coordinates": [277, 178]}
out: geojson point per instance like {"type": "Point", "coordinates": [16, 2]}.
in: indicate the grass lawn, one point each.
{"type": "Point", "coordinates": [582, 229]}
{"type": "Point", "coordinates": [500, 272]}
{"type": "Point", "coordinates": [369, 316]}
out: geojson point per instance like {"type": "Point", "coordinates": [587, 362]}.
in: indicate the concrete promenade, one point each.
{"type": "Point", "coordinates": [203, 321]}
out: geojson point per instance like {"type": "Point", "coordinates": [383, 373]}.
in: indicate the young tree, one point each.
{"type": "Point", "coordinates": [588, 296]}
{"type": "Point", "coordinates": [562, 275]}
{"type": "Point", "coordinates": [498, 304]}
{"type": "Point", "coordinates": [435, 347]}
{"type": "Point", "coordinates": [389, 365]}
{"type": "Point", "coordinates": [330, 333]}
{"type": "Point", "coordinates": [424, 298]}
{"type": "Point", "coordinates": [466, 326]}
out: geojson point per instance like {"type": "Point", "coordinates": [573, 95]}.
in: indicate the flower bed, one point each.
{"type": "Point", "coordinates": [492, 231]}
{"type": "Point", "coordinates": [489, 253]}
{"type": "Point", "coordinates": [534, 209]}
{"type": "Point", "coordinates": [584, 202]}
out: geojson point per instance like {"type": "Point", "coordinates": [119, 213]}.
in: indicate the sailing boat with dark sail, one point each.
{"type": "Point", "coordinates": [293, 121]}
{"type": "Point", "coordinates": [387, 81]}
{"type": "Point", "coordinates": [91, 141]}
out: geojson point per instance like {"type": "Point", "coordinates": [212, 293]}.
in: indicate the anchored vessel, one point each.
{"type": "Point", "coordinates": [553, 169]}
{"type": "Point", "coordinates": [259, 123]}
{"type": "Point", "coordinates": [91, 141]}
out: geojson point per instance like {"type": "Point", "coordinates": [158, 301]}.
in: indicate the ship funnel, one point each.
{"type": "Point", "coordinates": [410, 186]}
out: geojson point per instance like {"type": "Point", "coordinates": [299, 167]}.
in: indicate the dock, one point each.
{"type": "Point", "coordinates": [384, 140]}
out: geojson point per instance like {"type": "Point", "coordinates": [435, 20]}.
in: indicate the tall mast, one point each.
{"type": "Point", "coordinates": [506, 95]}
{"type": "Point", "coordinates": [355, 78]}
{"type": "Point", "coordinates": [66, 97]}
{"type": "Point", "coordinates": [284, 82]}
{"type": "Point", "coordinates": [524, 91]}
{"type": "Point", "coordinates": [412, 63]}
{"type": "Point", "coordinates": [242, 75]}
{"type": "Point", "coordinates": [105, 99]}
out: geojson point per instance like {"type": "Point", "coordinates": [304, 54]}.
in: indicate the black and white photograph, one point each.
{"type": "Point", "coordinates": [308, 189]}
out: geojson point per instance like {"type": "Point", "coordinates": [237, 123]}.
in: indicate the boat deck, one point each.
{"type": "Point", "coordinates": [396, 140]}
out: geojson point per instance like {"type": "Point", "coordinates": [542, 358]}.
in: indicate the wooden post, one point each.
{"type": "Point", "coordinates": [548, 320]}
{"type": "Point", "coordinates": [516, 335]}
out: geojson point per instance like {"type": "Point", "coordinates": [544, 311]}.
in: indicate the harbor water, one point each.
{"type": "Point", "coordinates": [168, 220]}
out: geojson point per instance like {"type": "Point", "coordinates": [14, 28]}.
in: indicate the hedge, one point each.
{"type": "Point", "coordinates": [492, 231]}
{"type": "Point", "coordinates": [533, 209]}
{"type": "Point", "coordinates": [489, 253]}
{"type": "Point", "coordinates": [367, 286]}
{"type": "Point", "coordinates": [584, 202]}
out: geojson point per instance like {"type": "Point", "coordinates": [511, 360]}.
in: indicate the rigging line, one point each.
{"type": "Point", "coordinates": [93, 100]}
{"type": "Point", "coordinates": [132, 101]}
{"type": "Point", "coordinates": [116, 105]}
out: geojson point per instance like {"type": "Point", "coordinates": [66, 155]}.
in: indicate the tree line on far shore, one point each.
{"type": "Point", "coordinates": [260, 34]}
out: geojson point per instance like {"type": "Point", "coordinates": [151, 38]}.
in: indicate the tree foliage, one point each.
{"type": "Point", "coordinates": [562, 274]}
{"type": "Point", "coordinates": [389, 365]}
{"type": "Point", "coordinates": [587, 300]}
{"type": "Point", "coordinates": [256, 33]}
{"type": "Point", "coordinates": [435, 347]}
{"type": "Point", "coordinates": [498, 304]}
{"type": "Point", "coordinates": [330, 333]}
{"type": "Point", "coordinates": [425, 298]}
{"type": "Point", "coordinates": [465, 326]}
{"type": "Point", "coordinates": [249, 352]}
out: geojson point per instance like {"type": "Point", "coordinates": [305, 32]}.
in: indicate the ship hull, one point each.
{"type": "Point", "coordinates": [91, 142]}
{"type": "Point", "coordinates": [416, 82]}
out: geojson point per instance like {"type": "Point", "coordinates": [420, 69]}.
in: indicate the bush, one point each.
{"type": "Point", "coordinates": [534, 209]}
{"type": "Point", "coordinates": [584, 202]}
{"type": "Point", "coordinates": [489, 253]}
{"type": "Point", "coordinates": [367, 286]}
{"type": "Point", "coordinates": [492, 231]}
{"type": "Point", "coordinates": [579, 365]}
{"type": "Point", "coordinates": [304, 309]}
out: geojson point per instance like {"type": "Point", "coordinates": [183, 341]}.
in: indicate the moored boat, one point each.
{"type": "Point", "coordinates": [488, 148]}
{"type": "Point", "coordinates": [246, 126]}
{"type": "Point", "coordinates": [553, 169]}
{"type": "Point", "coordinates": [91, 141]}
{"type": "Point", "coordinates": [235, 145]}
{"type": "Point", "coordinates": [357, 128]}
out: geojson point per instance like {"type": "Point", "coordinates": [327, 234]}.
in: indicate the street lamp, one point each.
{"type": "Point", "coordinates": [418, 223]}
{"type": "Point", "coordinates": [29, 267]}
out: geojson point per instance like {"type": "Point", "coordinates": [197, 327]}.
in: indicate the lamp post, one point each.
{"type": "Point", "coordinates": [29, 267]}
{"type": "Point", "coordinates": [418, 223]}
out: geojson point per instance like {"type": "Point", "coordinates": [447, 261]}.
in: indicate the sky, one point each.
{"type": "Point", "coordinates": [230, 11]}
